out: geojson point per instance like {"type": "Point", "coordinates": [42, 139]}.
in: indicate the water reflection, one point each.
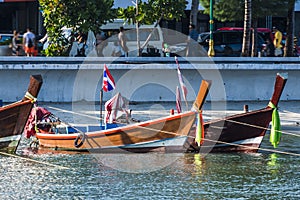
{"type": "Point", "coordinates": [137, 162]}
{"type": "Point", "coordinates": [273, 165]}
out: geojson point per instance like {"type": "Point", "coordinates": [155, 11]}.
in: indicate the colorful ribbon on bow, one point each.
{"type": "Point", "coordinates": [200, 129]}
{"type": "Point", "coordinates": [275, 134]}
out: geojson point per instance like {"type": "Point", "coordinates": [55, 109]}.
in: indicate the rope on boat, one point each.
{"type": "Point", "coordinates": [67, 111]}
{"type": "Point", "coordinates": [260, 127]}
{"type": "Point", "coordinates": [30, 97]}
{"type": "Point", "coordinates": [228, 143]}
{"type": "Point", "coordinates": [242, 123]}
{"type": "Point", "coordinates": [255, 148]}
{"type": "Point", "coordinates": [32, 160]}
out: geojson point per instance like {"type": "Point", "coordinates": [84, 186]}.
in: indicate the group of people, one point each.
{"type": "Point", "coordinates": [119, 49]}
{"type": "Point", "coordinates": [28, 44]}
{"type": "Point", "coordinates": [274, 44]}
{"type": "Point", "coordinates": [275, 47]}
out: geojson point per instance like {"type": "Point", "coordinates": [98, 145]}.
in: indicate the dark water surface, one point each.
{"type": "Point", "coordinates": [264, 175]}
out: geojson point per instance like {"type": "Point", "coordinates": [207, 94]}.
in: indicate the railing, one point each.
{"type": "Point", "coordinates": [10, 60]}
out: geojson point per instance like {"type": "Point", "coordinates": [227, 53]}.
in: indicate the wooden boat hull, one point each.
{"type": "Point", "coordinates": [243, 132]}
{"type": "Point", "coordinates": [12, 122]}
{"type": "Point", "coordinates": [13, 117]}
{"type": "Point", "coordinates": [167, 134]}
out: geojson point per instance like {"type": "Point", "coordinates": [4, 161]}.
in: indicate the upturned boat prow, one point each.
{"type": "Point", "coordinates": [241, 132]}
{"type": "Point", "coordinates": [13, 116]}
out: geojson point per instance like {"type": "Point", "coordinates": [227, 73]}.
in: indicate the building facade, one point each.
{"type": "Point", "coordinates": [19, 15]}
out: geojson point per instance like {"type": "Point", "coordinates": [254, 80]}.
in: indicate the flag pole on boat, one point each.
{"type": "Point", "coordinates": [181, 82]}
{"type": "Point", "coordinates": [108, 84]}
{"type": "Point", "coordinates": [101, 101]}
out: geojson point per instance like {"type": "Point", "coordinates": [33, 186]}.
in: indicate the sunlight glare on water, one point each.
{"type": "Point", "coordinates": [263, 175]}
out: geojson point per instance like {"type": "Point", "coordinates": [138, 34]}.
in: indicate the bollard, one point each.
{"type": "Point", "coordinates": [172, 112]}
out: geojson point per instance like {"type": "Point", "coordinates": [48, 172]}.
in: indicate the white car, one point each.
{"type": "Point", "coordinates": [154, 45]}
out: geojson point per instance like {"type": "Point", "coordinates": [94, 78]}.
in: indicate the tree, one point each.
{"type": "Point", "coordinates": [152, 11]}
{"type": "Point", "coordinates": [80, 16]}
{"type": "Point", "coordinates": [194, 12]}
{"type": "Point", "coordinates": [247, 28]}
{"type": "Point", "coordinates": [289, 44]}
{"type": "Point", "coordinates": [231, 10]}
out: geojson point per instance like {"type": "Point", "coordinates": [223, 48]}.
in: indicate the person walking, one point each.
{"type": "Point", "coordinates": [270, 49]}
{"type": "Point", "coordinates": [29, 42]}
{"type": "Point", "coordinates": [122, 41]}
{"type": "Point", "coordinates": [16, 44]}
{"type": "Point", "coordinates": [101, 43]}
{"type": "Point", "coordinates": [277, 41]}
{"type": "Point", "coordinates": [116, 52]}
{"type": "Point", "coordinates": [192, 41]}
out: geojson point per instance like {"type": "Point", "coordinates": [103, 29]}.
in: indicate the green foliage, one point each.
{"type": "Point", "coordinates": [153, 10]}
{"type": "Point", "coordinates": [232, 10]}
{"type": "Point", "coordinates": [79, 15]}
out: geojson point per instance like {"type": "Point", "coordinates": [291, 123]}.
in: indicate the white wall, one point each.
{"type": "Point", "coordinates": [66, 80]}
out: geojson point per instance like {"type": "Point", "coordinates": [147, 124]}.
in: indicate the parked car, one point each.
{"type": "Point", "coordinates": [228, 43]}
{"type": "Point", "coordinates": [202, 37]}
{"type": "Point", "coordinates": [5, 44]}
{"type": "Point", "coordinates": [265, 33]}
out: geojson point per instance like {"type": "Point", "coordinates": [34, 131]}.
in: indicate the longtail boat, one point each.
{"type": "Point", "coordinates": [13, 116]}
{"type": "Point", "coordinates": [166, 134]}
{"type": "Point", "coordinates": [241, 132]}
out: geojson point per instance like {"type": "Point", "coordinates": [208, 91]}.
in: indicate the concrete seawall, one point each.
{"type": "Point", "coordinates": [148, 79]}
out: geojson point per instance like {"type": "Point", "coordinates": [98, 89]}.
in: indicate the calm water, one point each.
{"type": "Point", "coordinates": [264, 175]}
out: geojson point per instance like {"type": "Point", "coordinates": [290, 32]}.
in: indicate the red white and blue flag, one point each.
{"type": "Point", "coordinates": [108, 80]}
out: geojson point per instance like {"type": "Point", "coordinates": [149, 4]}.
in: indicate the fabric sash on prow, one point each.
{"type": "Point", "coordinates": [202, 93]}
{"type": "Point", "coordinates": [275, 133]}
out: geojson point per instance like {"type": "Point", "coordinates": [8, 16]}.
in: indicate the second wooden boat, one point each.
{"type": "Point", "coordinates": [241, 132]}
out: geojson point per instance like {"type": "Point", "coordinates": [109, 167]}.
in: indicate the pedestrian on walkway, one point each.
{"type": "Point", "coordinates": [122, 41]}
{"type": "Point", "coordinates": [29, 42]}
{"type": "Point", "coordinates": [277, 41]}
{"type": "Point", "coordinates": [270, 49]}
{"type": "Point", "coordinates": [16, 44]}
{"type": "Point", "coordinates": [192, 45]}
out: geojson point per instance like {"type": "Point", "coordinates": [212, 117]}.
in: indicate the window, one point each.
{"type": "Point", "coordinates": [144, 33]}
{"type": "Point", "coordinates": [233, 37]}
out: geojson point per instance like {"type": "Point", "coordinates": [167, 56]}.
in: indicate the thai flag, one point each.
{"type": "Point", "coordinates": [108, 80]}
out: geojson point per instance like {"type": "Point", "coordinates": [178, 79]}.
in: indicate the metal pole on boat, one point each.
{"type": "Point", "coordinates": [101, 100]}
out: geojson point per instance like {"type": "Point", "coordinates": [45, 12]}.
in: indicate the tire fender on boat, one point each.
{"type": "Point", "coordinates": [80, 137]}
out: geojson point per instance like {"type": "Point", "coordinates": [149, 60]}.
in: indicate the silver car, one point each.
{"type": "Point", "coordinates": [5, 44]}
